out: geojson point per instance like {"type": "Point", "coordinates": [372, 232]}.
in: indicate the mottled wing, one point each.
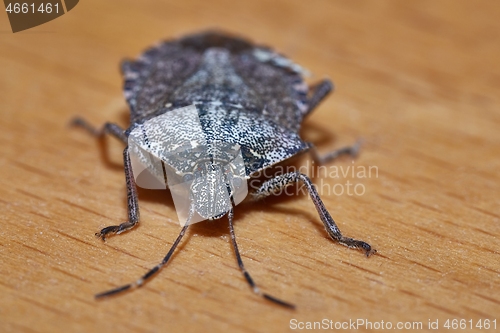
{"type": "Point", "coordinates": [273, 83]}
{"type": "Point", "coordinates": [154, 76]}
{"type": "Point", "coordinates": [277, 82]}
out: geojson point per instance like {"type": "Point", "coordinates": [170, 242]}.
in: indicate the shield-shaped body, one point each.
{"type": "Point", "coordinates": [201, 103]}
{"type": "Point", "coordinates": [209, 111]}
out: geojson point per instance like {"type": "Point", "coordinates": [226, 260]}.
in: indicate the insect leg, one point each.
{"type": "Point", "coordinates": [132, 199]}
{"type": "Point", "coordinates": [149, 274]}
{"type": "Point", "coordinates": [348, 150]}
{"type": "Point", "coordinates": [245, 272]}
{"type": "Point", "coordinates": [108, 128]}
{"type": "Point", "coordinates": [276, 184]}
{"type": "Point", "coordinates": [318, 92]}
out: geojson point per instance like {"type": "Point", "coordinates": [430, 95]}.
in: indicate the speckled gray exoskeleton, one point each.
{"type": "Point", "coordinates": [245, 96]}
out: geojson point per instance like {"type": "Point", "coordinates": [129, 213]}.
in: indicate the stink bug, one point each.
{"type": "Point", "coordinates": [200, 104]}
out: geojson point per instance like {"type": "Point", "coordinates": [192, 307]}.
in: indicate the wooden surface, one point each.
{"type": "Point", "coordinates": [417, 80]}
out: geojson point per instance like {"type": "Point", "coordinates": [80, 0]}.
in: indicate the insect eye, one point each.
{"type": "Point", "coordinates": [237, 182]}
{"type": "Point", "coordinates": [188, 177]}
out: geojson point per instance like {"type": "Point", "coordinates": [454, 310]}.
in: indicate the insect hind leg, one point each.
{"type": "Point", "coordinates": [333, 155]}
{"type": "Point", "coordinates": [108, 128]}
{"type": "Point", "coordinates": [318, 92]}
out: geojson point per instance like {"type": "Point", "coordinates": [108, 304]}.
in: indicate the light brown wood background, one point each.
{"type": "Point", "coordinates": [417, 80]}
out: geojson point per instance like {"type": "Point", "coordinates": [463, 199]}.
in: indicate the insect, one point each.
{"type": "Point", "coordinates": [243, 100]}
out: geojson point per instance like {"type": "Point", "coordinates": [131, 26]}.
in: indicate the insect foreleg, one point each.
{"type": "Point", "coordinates": [276, 184]}
{"type": "Point", "coordinates": [132, 200]}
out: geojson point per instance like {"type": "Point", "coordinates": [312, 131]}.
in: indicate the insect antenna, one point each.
{"type": "Point", "coordinates": [152, 271]}
{"type": "Point", "coordinates": [245, 272]}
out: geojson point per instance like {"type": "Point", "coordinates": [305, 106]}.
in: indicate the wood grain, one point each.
{"type": "Point", "coordinates": [417, 80]}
